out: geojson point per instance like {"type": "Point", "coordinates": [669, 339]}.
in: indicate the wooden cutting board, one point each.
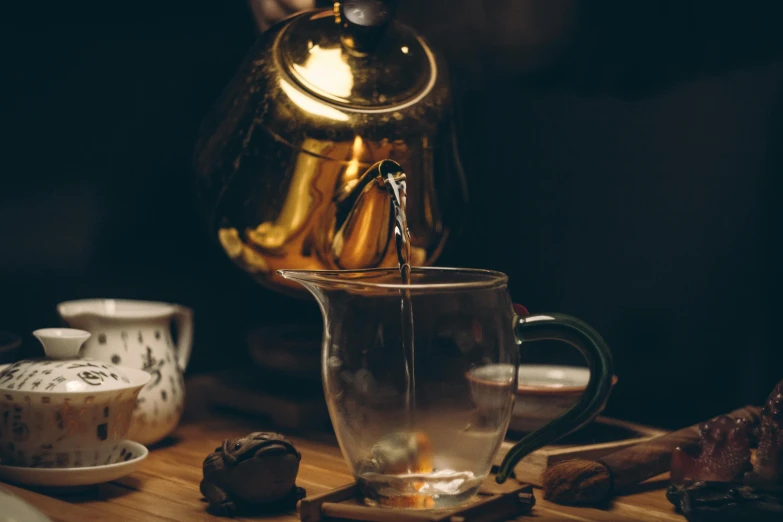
{"type": "Point", "coordinates": [601, 437]}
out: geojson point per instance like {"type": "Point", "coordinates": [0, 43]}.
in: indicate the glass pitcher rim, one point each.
{"type": "Point", "coordinates": [456, 278]}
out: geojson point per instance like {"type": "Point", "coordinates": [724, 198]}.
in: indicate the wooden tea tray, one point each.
{"type": "Point", "coordinates": [288, 404]}
{"type": "Point", "coordinates": [603, 436]}
{"type": "Point", "coordinates": [494, 502]}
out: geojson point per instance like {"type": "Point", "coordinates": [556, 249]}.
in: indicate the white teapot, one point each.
{"type": "Point", "coordinates": [137, 334]}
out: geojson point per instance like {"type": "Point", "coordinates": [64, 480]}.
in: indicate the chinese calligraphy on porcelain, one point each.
{"type": "Point", "coordinates": [138, 334]}
{"type": "Point", "coordinates": [65, 411]}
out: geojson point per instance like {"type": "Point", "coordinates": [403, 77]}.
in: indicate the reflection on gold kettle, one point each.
{"type": "Point", "coordinates": [288, 159]}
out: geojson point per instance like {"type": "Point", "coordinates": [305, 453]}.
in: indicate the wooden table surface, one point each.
{"type": "Point", "coordinates": [166, 487]}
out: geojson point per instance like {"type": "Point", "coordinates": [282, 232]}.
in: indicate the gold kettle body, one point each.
{"type": "Point", "coordinates": [287, 160]}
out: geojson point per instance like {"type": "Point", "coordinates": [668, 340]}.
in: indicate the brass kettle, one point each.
{"type": "Point", "coordinates": [288, 160]}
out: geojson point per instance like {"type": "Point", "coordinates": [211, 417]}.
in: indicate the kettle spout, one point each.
{"type": "Point", "coordinates": [364, 218]}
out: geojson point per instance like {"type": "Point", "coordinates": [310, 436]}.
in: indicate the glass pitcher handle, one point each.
{"type": "Point", "coordinates": [581, 336]}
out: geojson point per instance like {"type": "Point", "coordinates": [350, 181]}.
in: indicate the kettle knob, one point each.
{"type": "Point", "coordinates": [364, 23]}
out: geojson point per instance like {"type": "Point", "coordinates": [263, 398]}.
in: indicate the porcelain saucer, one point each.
{"type": "Point", "coordinates": [84, 476]}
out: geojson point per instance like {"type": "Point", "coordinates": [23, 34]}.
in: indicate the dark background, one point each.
{"type": "Point", "coordinates": [623, 159]}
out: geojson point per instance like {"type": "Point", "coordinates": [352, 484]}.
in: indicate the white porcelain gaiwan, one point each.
{"type": "Point", "coordinates": [63, 411]}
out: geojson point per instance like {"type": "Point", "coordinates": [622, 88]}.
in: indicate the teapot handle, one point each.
{"type": "Point", "coordinates": [183, 318]}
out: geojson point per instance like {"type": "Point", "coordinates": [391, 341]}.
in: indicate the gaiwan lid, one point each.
{"type": "Point", "coordinates": [63, 371]}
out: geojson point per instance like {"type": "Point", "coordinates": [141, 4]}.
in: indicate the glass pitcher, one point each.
{"type": "Point", "coordinates": [420, 379]}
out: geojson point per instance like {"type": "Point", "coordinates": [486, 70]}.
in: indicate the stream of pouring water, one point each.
{"type": "Point", "coordinates": [398, 193]}
{"type": "Point", "coordinates": [403, 470]}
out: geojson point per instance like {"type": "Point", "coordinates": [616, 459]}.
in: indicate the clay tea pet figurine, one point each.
{"type": "Point", "coordinates": [255, 472]}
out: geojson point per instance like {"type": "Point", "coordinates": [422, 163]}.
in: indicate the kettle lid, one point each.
{"type": "Point", "coordinates": [356, 56]}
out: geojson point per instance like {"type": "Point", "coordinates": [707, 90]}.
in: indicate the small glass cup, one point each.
{"type": "Point", "coordinates": [420, 379]}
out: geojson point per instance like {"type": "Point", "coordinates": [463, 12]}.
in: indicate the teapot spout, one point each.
{"type": "Point", "coordinates": [364, 217]}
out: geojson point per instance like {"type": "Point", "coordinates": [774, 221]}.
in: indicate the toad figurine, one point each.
{"type": "Point", "coordinates": [252, 473]}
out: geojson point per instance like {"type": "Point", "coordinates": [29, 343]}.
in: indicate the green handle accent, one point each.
{"type": "Point", "coordinates": [599, 359]}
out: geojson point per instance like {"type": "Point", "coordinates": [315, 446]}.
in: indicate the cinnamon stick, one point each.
{"type": "Point", "coordinates": [585, 481]}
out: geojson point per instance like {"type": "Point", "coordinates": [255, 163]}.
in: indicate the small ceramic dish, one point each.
{"type": "Point", "coordinates": [126, 457]}
{"type": "Point", "coordinates": [63, 411]}
{"type": "Point", "coordinates": [17, 510]}
{"type": "Point", "coordinates": [543, 391]}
